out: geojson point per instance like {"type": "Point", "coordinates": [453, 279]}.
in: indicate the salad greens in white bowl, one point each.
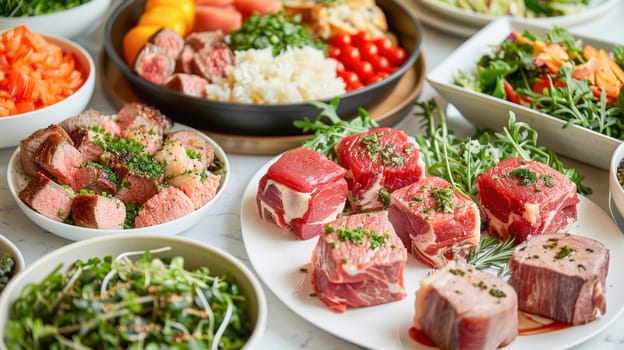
{"type": "Point", "coordinates": [131, 291]}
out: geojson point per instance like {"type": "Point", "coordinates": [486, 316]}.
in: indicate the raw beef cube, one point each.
{"type": "Point", "coordinates": [301, 191]}
{"type": "Point", "coordinates": [435, 222]}
{"type": "Point", "coordinates": [359, 261]}
{"type": "Point", "coordinates": [522, 197]}
{"type": "Point", "coordinates": [47, 197]}
{"type": "Point", "coordinates": [378, 162]}
{"type": "Point", "coordinates": [561, 276]}
{"type": "Point", "coordinates": [459, 307]}
{"type": "Point", "coordinates": [95, 211]}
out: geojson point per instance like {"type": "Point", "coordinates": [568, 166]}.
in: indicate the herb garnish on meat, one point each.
{"type": "Point", "coordinates": [7, 265]}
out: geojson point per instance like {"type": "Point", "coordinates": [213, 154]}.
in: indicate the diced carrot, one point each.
{"type": "Point", "coordinates": [34, 73]}
{"type": "Point", "coordinates": [589, 52]}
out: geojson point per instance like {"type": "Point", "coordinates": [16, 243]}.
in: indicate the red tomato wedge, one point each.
{"type": "Point", "coordinates": [33, 72]}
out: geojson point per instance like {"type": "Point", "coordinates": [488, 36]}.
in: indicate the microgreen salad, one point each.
{"type": "Point", "coordinates": [520, 8]}
{"type": "Point", "coordinates": [118, 303]}
{"type": "Point", "coordinates": [557, 75]}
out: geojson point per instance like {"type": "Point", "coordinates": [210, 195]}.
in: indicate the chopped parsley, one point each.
{"type": "Point", "coordinates": [457, 272]}
{"type": "Point", "coordinates": [564, 252]}
{"type": "Point", "coordinates": [526, 176]}
{"type": "Point", "coordinates": [132, 210]}
{"type": "Point", "coordinates": [384, 197]}
{"type": "Point", "coordinates": [481, 285]}
{"type": "Point", "coordinates": [356, 236]}
{"type": "Point", "coordinates": [495, 292]}
{"type": "Point", "coordinates": [443, 199]}
{"type": "Point", "coordinates": [191, 153]}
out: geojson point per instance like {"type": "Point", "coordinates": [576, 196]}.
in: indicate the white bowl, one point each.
{"type": "Point", "coordinates": [67, 23]}
{"type": "Point", "coordinates": [486, 111]}
{"type": "Point", "coordinates": [6, 246]}
{"type": "Point", "coordinates": [195, 254]}
{"type": "Point", "coordinates": [16, 127]}
{"type": "Point", "coordinates": [17, 181]}
{"type": "Point", "coordinates": [616, 189]}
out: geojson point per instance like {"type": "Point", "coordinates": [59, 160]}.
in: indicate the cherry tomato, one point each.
{"type": "Point", "coordinates": [364, 70]}
{"type": "Point", "coordinates": [333, 51]}
{"type": "Point", "coordinates": [354, 86]}
{"type": "Point", "coordinates": [396, 56]}
{"type": "Point", "coordinates": [340, 67]}
{"type": "Point", "coordinates": [377, 77]}
{"type": "Point", "coordinates": [340, 40]}
{"type": "Point", "coordinates": [368, 51]}
{"type": "Point", "coordinates": [384, 45]}
{"type": "Point", "coordinates": [380, 64]}
{"type": "Point", "coordinates": [360, 38]}
{"type": "Point", "coordinates": [349, 77]}
{"type": "Point", "coordinates": [350, 56]}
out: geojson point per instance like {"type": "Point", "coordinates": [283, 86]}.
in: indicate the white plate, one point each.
{"type": "Point", "coordinates": [486, 111]}
{"type": "Point", "coordinates": [277, 257]}
{"type": "Point", "coordinates": [17, 181]}
{"type": "Point", "coordinates": [463, 22]}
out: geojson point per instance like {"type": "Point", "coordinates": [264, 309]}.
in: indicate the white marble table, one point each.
{"type": "Point", "coordinates": [221, 227]}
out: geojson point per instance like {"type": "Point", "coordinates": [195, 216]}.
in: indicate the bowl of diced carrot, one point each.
{"type": "Point", "coordinates": [43, 79]}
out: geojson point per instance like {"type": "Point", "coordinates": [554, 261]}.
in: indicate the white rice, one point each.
{"type": "Point", "coordinates": [296, 75]}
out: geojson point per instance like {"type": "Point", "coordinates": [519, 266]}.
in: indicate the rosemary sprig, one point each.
{"type": "Point", "coordinates": [492, 253]}
{"type": "Point", "coordinates": [462, 160]}
{"type": "Point", "coordinates": [329, 128]}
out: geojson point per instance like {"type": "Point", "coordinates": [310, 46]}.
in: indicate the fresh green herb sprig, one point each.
{"type": "Point", "coordinates": [21, 8]}
{"type": "Point", "coordinates": [276, 30]}
{"type": "Point", "coordinates": [329, 128]}
{"type": "Point", "coordinates": [7, 266]}
{"type": "Point", "coordinates": [492, 253]}
{"type": "Point", "coordinates": [462, 160]}
{"type": "Point", "coordinates": [118, 303]}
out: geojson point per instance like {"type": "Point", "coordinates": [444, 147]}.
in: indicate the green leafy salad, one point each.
{"type": "Point", "coordinates": [521, 8]}
{"type": "Point", "coordinates": [21, 8]}
{"type": "Point", "coordinates": [118, 303]}
{"type": "Point", "coordinates": [557, 75]}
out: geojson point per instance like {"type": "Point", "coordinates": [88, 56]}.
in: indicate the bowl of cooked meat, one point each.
{"type": "Point", "coordinates": [252, 68]}
{"type": "Point", "coordinates": [62, 18]}
{"type": "Point", "coordinates": [131, 291]}
{"type": "Point", "coordinates": [47, 79]}
{"type": "Point", "coordinates": [134, 171]}
{"type": "Point", "coordinates": [11, 261]}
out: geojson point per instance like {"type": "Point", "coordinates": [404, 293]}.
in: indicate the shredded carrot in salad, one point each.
{"type": "Point", "coordinates": [33, 72]}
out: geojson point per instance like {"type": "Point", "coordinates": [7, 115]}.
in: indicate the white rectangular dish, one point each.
{"type": "Point", "coordinates": [486, 111]}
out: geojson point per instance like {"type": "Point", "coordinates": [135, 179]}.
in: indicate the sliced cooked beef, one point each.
{"type": "Point", "coordinates": [211, 62]}
{"type": "Point", "coordinates": [188, 84]}
{"type": "Point", "coordinates": [359, 261]}
{"type": "Point", "coordinates": [137, 189]}
{"type": "Point", "coordinates": [459, 307]}
{"type": "Point", "coordinates": [139, 176]}
{"type": "Point", "coordinates": [47, 197]}
{"type": "Point", "coordinates": [90, 119]}
{"type": "Point", "coordinates": [184, 60]}
{"type": "Point", "coordinates": [30, 146]}
{"type": "Point", "coordinates": [561, 276]}
{"type": "Point", "coordinates": [96, 211]}
{"type": "Point", "coordinates": [59, 158]}
{"type": "Point", "coordinates": [435, 222]}
{"type": "Point", "coordinates": [378, 162]}
{"type": "Point", "coordinates": [169, 204]}
{"type": "Point", "coordinates": [84, 141]}
{"type": "Point", "coordinates": [134, 114]}
{"type": "Point", "coordinates": [154, 64]}
{"type": "Point", "coordinates": [199, 188]}
{"type": "Point", "coordinates": [199, 40]}
{"type": "Point", "coordinates": [301, 191]}
{"type": "Point", "coordinates": [196, 143]}
{"type": "Point", "coordinates": [523, 197]}
{"type": "Point", "coordinates": [95, 178]}
{"type": "Point", "coordinates": [177, 160]}
{"type": "Point", "coordinates": [168, 40]}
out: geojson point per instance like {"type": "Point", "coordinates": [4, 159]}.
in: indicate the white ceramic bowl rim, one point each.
{"type": "Point", "coordinates": [14, 252]}
{"type": "Point", "coordinates": [69, 12]}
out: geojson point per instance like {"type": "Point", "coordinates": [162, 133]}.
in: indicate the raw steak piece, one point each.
{"type": "Point", "coordinates": [169, 204]}
{"type": "Point", "coordinates": [359, 261]}
{"type": "Point", "coordinates": [378, 162]}
{"type": "Point", "coordinates": [168, 40]}
{"type": "Point", "coordinates": [435, 222]}
{"type": "Point", "coordinates": [188, 84]}
{"type": "Point", "coordinates": [154, 64]}
{"type": "Point", "coordinates": [47, 197]}
{"type": "Point", "coordinates": [95, 211]}
{"type": "Point", "coordinates": [522, 197]}
{"type": "Point", "coordinates": [210, 63]}
{"type": "Point", "coordinates": [301, 191]}
{"type": "Point", "coordinates": [459, 307]}
{"type": "Point", "coordinates": [561, 276]}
